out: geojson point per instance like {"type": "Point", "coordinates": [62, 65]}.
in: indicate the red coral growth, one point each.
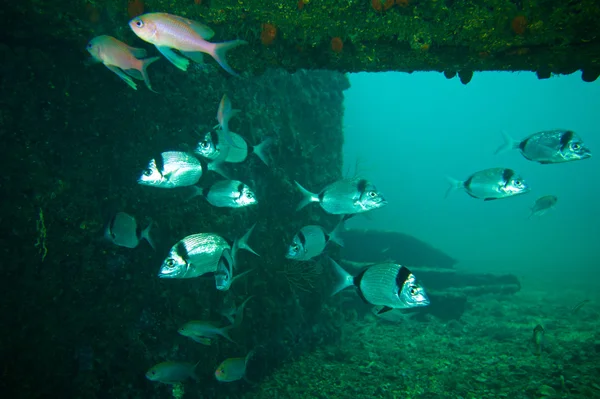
{"type": "Point", "coordinates": [519, 24]}
{"type": "Point", "coordinates": [403, 3]}
{"type": "Point", "coordinates": [268, 34]}
{"type": "Point", "coordinates": [198, 2]}
{"type": "Point", "coordinates": [93, 13]}
{"type": "Point", "coordinates": [382, 5]}
{"type": "Point", "coordinates": [135, 8]}
{"type": "Point", "coordinates": [301, 4]}
{"type": "Point", "coordinates": [337, 45]}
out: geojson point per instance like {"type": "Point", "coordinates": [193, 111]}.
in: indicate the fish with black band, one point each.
{"type": "Point", "coordinates": [198, 254]}
{"type": "Point", "coordinates": [214, 146]}
{"type": "Point", "coordinates": [389, 285]}
{"type": "Point", "coordinates": [491, 184]}
{"type": "Point", "coordinates": [123, 230]}
{"type": "Point", "coordinates": [344, 197]}
{"type": "Point", "coordinates": [549, 146]}
{"type": "Point", "coordinates": [311, 240]}
{"type": "Point", "coordinates": [226, 193]}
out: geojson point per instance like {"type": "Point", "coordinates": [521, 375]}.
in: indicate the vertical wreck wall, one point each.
{"type": "Point", "coordinates": [84, 318]}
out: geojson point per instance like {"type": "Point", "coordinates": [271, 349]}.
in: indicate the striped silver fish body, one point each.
{"type": "Point", "coordinates": [554, 146]}
{"type": "Point", "coordinates": [172, 169]}
{"type": "Point", "coordinates": [350, 196]}
{"type": "Point", "coordinates": [495, 183]}
{"type": "Point", "coordinates": [390, 285]}
{"type": "Point", "coordinates": [230, 194]}
{"type": "Point", "coordinates": [194, 256]}
{"type": "Point", "coordinates": [123, 230]}
{"type": "Point", "coordinates": [309, 242]}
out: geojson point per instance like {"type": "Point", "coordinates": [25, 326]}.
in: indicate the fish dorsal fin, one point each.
{"type": "Point", "coordinates": [565, 139]}
{"type": "Point", "coordinates": [202, 30]}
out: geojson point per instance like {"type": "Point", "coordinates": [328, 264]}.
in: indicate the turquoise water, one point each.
{"type": "Point", "coordinates": [409, 131]}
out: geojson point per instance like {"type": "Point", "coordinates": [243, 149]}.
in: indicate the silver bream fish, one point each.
{"type": "Point", "coordinates": [172, 169]}
{"type": "Point", "coordinates": [227, 193]}
{"type": "Point", "coordinates": [550, 146]}
{"type": "Point", "coordinates": [387, 284]}
{"type": "Point", "coordinates": [491, 184]}
{"type": "Point", "coordinates": [311, 240]}
{"type": "Point", "coordinates": [214, 146]}
{"type": "Point", "coordinates": [543, 205]}
{"type": "Point", "coordinates": [224, 273]}
{"type": "Point", "coordinates": [123, 230]}
{"type": "Point", "coordinates": [198, 254]}
{"type": "Point", "coordinates": [345, 197]}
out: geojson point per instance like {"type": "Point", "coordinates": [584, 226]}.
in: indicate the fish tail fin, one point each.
{"type": "Point", "coordinates": [239, 276]}
{"type": "Point", "coordinates": [308, 197]}
{"type": "Point", "coordinates": [224, 332]}
{"type": "Point", "coordinates": [345, 279]}
{"type": "Point", "coordinates": [509, 144]}
{"type": "Point", "coordinates": [146, 235]}
{"type": "Point", "coordinates": [239, 313]}
{"type": "Point", "coordinates": [145, 63]}
{"type": "Point", "coordinates": [454, 185]}
{"type": "Point", "coordinates": [335, 235]}
{"type": "Point", "coordinates": [242, 243]}
{"type": "Point", "coordinates": [261, 149]}
{"type": "Point", "coordinates": [217, 167]}
{"type": "Point", "coordinates": [220, 50]}
{"type": "Point", "coordinates": [195, 191]}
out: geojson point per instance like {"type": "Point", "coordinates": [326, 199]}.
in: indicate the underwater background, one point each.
{"type": "Point", "coordinates": [514, 300]}
{"type": "Point", "coordinates": [413, 130]}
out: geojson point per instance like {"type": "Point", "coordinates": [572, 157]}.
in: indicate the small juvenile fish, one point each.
{"type": "Point", "coordinates": [198, 254]}
{"type": "Point", "coordinates": [311, 240]}
{"type": "Point", "coordinates": [172, 169]}
{"type": "Point", "coordinates": [227, 193]}
{"type": "Point", "coordinates": [168, 32]}
{"type": "Point", "coordinates": [550, 146]}
{"type": "Point", "coordinates": [344, 197]}
{"type": "Point", "coordinates": [224, 273]}
{"type": "Point", "coordinates": [224, 114]}
{"type": "Point", "coordinates": [387, 284]}
{"type": "Point", "coordinates": [215, 147]}
{"type": "Point", "coordinates": [233, 369]}
{"type": "Point", "coordinates": [538, 339]}
{"type": "Point", "coordinates": [491, 184]}
{"type": "Point", "coordinates": [172, 372]}
{"type": "Point", "coordinates": [123, 230]}
{"type": "Point", "coordinates": [204, 332]}
{"type": "Point", "coordinates": [232, 312]}
{"type": "Point", "coordinates": [543, 205]}
{"type": "Point", "coordinates": [123, 60]}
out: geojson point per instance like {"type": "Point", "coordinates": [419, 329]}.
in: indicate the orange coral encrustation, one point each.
{"type": "Point", "coordinates": [519, 24]}
{"type": "Point", "coordinates": [268, 34]}
{"type": "Point", "coordinates": [135, 8]}
{"type": "Point", "coordinates": [382, 5]}
{"type": "Point", "coordinates": [337, 45]}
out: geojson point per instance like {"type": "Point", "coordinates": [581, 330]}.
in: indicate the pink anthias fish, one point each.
{"type": "Point", "coordinates": [168, 32]}
{"type": "Point", "coordinates": [224, 114]}
{"type": "Point", "coordinates": [126, 61]}
{"type": "Point", "coordinates": [233, 369]}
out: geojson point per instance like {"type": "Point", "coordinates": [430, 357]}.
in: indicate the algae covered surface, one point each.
{"type": "Point", "coordinates": [355, 35]}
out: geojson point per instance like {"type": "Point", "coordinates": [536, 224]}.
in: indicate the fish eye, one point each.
{"type": "Point", "coordinates": [249, 195]}
{"type": "Point", "coordinates": [139, 23]}
{"type": "Point", "coordinates": [413, 290]}
{"type": "Point", "coordinates": [372, 194]}
{"type": "Point", "coordinates": [576, 146]}
{"type": "Point", "coordinates": [89, 45]}
{"type": "Point", "coordinates": [147, 172]}
{"type": "Point", "coordinates": [204, 144]}
{"type": "Point", "coordinates": [518, 182]}
{"type": "Point", "coordinates": [170, 262]}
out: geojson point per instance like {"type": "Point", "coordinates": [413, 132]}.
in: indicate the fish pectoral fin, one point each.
{"type": "Point", "coordinates": [384, 310]}
{"type": "Point", "coordinates": [134, 73]}
{"type": "Point", "coordinates": [127, 79]}
{"type": "Point", "coordinates": [196, 56]}
{"type": "Point", "coordinates": [175, 59]}
{"type": "Point", "coordinates": [202, 340]}
{"type": "Point", "coordinates": [490, 199]}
